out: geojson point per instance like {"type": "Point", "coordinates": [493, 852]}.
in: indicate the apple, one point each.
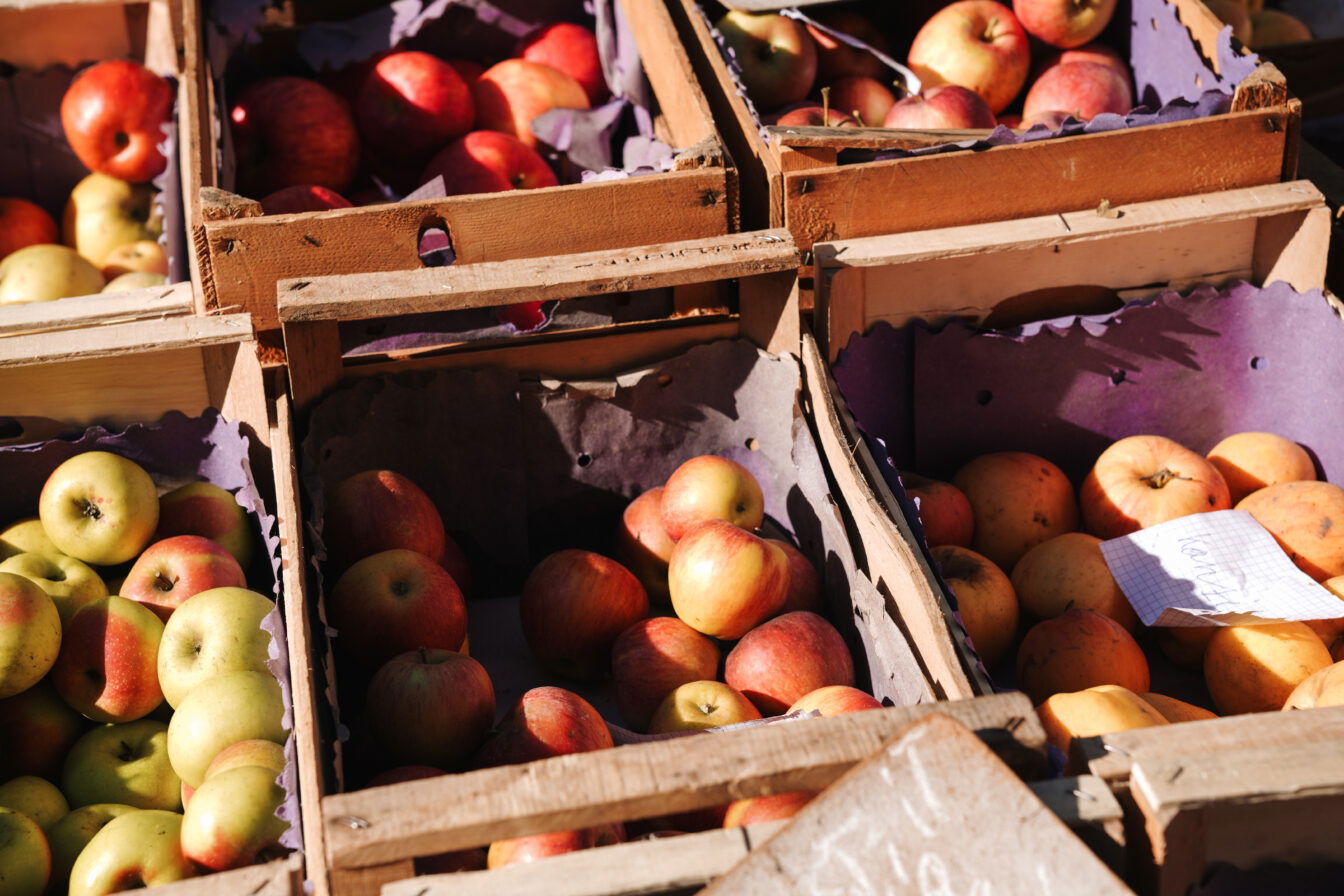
{"type": "Point", "coordinates": [1274, 26]}
{"type": "Point", "coordinates": [466, 69]}
{"type": "Point", "coordinates": [69, 583]}
{"type": "Point", "coordinates": [698, 705]}
{"type": "Point", "coordinates": [653, 657]}
{"type": "Point", "coordinates": [943, 510]}
{"type": "Point", "coordinates": [724, 581]}
{"type": "Point", "coordinates": [25, 857]}
{"type": "Point", "coordinates": [1053, 119]}
{"type": "Point", "coordinates": [223, 710]}
{"type": "Point", "coordinates": [106, 669]}
{"type": "Point", "coordinates": [804, 591]}
{"type": "Point", "coordinates": [760, 809]}
{"type": "Point", "coordinates": [811, 115]}
{"type": "Point", "coordinates": [975, 44]}
{"type": "Point", "coordinates": [139, 849]}
{"type": "Point", "coordinates": [171, 571]}
{"type": "Point", "coordinates": [573, 50]}
{"type": "Point", "coordinates": [376, 511]}
{"type": "Point", "coordinates": [35, 797]}
{"type": "Point", "coordinates": [786, 658]}
{"type": "Point", "coordinates": [1070, 571]}
{"type": "Point", "coordinates": [103, 213]}
{"type": "Point", "coordinates": [488, 162]}
{"type": "Point", "coordinates": [203, 508]}
{"type": "Point", "coordinates": [126, 764]}
{"type": "Point", "coordinates": [264, 753]}
{"type": "Point", "coordinates": [574, 604]}
{"type": "Point", "coordinates": [837, 59]}
{"type": "Point", "coordinates": [454, 562]}
{"type": "Point", "coordinates": [1018, 500]}
{"type": "Point", "coordinates": [430, 707]}
{"type": "Point", "coordinates": [46, 272]}
{"type": "Point", "coordinates": [709, 487]}
{"type": "Point", "coordinates": [25, 536]}
{"type": "Point", "coordinates": [948, 107]}
{"type": "Point", "coordinates": [115, 114]}
{"type": "Point", "coordinates": [24, 223]}
{"type": "Point", "coordinates": [1064, 23]}
{"type": "Point", "coordinates": [1253, 460]}
{"type": "Point", "coordinates": [134, 280]}
{"type": "Point", "coordinates": [213, 632]}
{"type": "Point", "coordinates": [643, 545]}
{"type": "Point", "coordinates": [1077, 650]}
{"type": "Point", "coordinates": [864, 99]}
{"type": "Point", "coordinates": [99, 507]}
{"type": "Point", "coordinates": [1234, 13]}
{"type": "Point", "coordinates": [1140, 481]}
{"type": "Point", "coordinates": [986, 600]}
{"type": "Point", "coordinates": [410, 105]}
{"type": "Point", "coordinates": [835, 700]}
{"type": "Point", "coordinates": [231, 818]}
{"type": "Point", "coordinates": [542, 846]}
{"type": "Point", "coordinates": [1304, 518]}
{"type": "Point", "coordinates": [289, 130]}
{"type": "Point", "coordinates": [302, 198]}
{"type": "Point", "coordinates": [1102, 54]}
{"type": "Point", "coordinates": [39, 729]}
{"type": "Point", "coordinates": [545, 722]}
{"type": "Point", "coordinates": [73, 832]}
{"type": "Point", "coordinates": [141, 255]}
{"type": "Point", "coordinates": [396, 601]}
{"type": "Point", "coordinates": [30, 634]}
{"type": "Point", "coordinates": [1082, 89]}
{"type": "Point", "coordinates": [510, 94]}
{"type": "Point", "coordinates": [777, 57]}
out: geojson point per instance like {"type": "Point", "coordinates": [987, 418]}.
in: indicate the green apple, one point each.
{"type": "Point", "coordinates": [107, 669]}
{"type": "Point", "coordinates": [39, 729]}
{"type": "Point", "coordinates": [139, 849]}
{"type": "Point", "coordinates": [99, 507]}
{"type": "Point", "coordinates": [126, 764]}
{"type": "Point", "coordinates": [25, 536]}
{"type": "Point", "coordinates": [223, 710]}
{"type": "Point", "coordinates": [70, 583]}
{"type": "Point", "coordinates": [104, 213]}
{"type": "Point", "coordinates": [30, 634]}
{"type": "Point", "coordinates": [73, 832]}
{"type": "Point", "coordinates": [25, 858]}
{"type": "Point", "coordinates": [35, 797]}
{"type": "Point", "coordinates": [46, 272]}
{"type": "Point", "coordinates": [203, 508]}
{"type": "Point", "coordinates": [210, 633]}
{"type": "Point", "coordinates": [231, 818]}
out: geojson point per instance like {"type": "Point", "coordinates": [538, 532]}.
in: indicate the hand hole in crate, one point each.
{"type": "Point", "coordinates": [435, 244]}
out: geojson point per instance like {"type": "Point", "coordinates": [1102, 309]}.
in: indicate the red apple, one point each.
{"type": "Point", "coordinates": [943, 510]}
{"type": "Point", "coordinates": [864, 99]}
{"type": "Point", "coordinates": [760, 809]}
{"type": "Point", "coordinates": [542, 846]}
{"type": "Point", "coordinates": [949, 107]}
{"type": "Point", "coordinates": [410, 105]}
{"type": "Point", "coordinates": [724, 580]}
{"type": "Point", "coordinates": [811, 115]}
{"type": "Point", "coordinates": [709, 487]}
{"type": "Point", "coordinates": [777, 57]}
{"type": "Point", "coordinates": [1053, 119]}
{"type": "Point", "coordinates": [512, 93]}
{"type": "Point", "coordinates": [1064, 23]}
{"type": "Point", "coordinates": [114, 115]}
{"type": "Point", "coordinates": [573, 50]}
{"type": "Point", "coordinates": [652, 658]}
{"type": "Point", "coordinates": [837, 59]}
{"type": "Point", "coordinates": [430, 707]}
{"type": "Point", "coordinates": [1083, 89]}
{"type": "Point", "coordinates": [107, 669]}
{"type": "Point", "coordinates": [804, 581]}
{"type": "Point", "coordinates": [545, 722]}
{"type": "Point", "coordinates": [303, 198]}
{"type": "Point", "coordinates": [1140, 481]}
{"type": "Point", "coordinates": [488, 162]}
{"type": "Point", "coordinates": [466, 69]}
{"type": "Point", "coordinates": [231, 819]}
{"type": "Point", "coordinates": [573, 606]}
{"type": "Point", "coordinates": [289, 131]}
{"type": "Point", "coordinates": [976, 44]}
{"type": "Point", "coordinates": [376, 511]}
{"type": "Point", "coordinates": [397, 601]}
{"type": "Point", "coordinates": [786, 658]}
{"type": "Point", "coordinates": [39, 729]}
{"type": "Point", "coordinates": [835, 700]}
{"type": "Point", "coordinates": [201, 508]}
{"type": "Point", "coordinates": [643, 545]}
{"type": "Point", "coordinates": [23, 223]}
{"type": "Point", "coordinates": [172, 570]}
{"type": "Point", "coordinates": [1101, 54]}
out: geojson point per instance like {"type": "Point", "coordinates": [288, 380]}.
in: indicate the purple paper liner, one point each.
{"type": "Point", "coordinates": [521, 466]}
{"type": "Point", "coordinates": [174, 451]}
{"type": "Point", "coordinates": [1194, 368]}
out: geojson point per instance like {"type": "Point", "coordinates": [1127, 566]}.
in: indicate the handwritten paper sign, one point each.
{"type": "Point", "coordinates": [1219, 568]}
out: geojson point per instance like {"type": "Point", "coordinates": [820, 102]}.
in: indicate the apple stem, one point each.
{"type": "Point", "coordinates": [825, 122]}
{"type": "Point", "coordinates": [859, 118]}
{"type": "Point", "coordinates": [424, 656]}
{"type": "Point", "coordinates": [1162, 477]}
{"type": "Point", "coordinates": [989, 29]}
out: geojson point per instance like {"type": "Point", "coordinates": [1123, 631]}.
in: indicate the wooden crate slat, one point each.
{"type": "Point", "coordinates": [65, 314]}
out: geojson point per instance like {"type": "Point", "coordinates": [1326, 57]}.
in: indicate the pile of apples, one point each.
{"type": "Point", "coordinates": [400, 615]}
{"type": "Point", "coordinates": [1255, 26]}
{"type": "Point", "coordinates": [407, 117]}
{"type": "Point", "coordinates": [1013, 539]}
{"type": "Point", "coordinates": [140, 729]}
{"type": "Point", "coordinates": [113, 114]}
{"type": "Point", "coordinates": [973, 59]}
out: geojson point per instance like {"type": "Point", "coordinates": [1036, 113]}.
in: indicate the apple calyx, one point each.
{"type": "Point", "coordinates": [127, 752]}
{"type": "Point", "coordinates": [1162, 477]}
{"type": "Point", "coordinates": [91, 510]}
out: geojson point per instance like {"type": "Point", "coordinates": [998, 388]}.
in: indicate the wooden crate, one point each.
{"type": "Point", "coordinates": [242, 255]}
{"type": "Point", "coordinates": [794, 181]}
{"type": "Point", "coordinates": [122, 373]}
{"type": "Point", "coordinates": [35, 34]}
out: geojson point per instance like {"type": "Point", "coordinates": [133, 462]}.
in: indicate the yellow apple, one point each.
{"type": "Point", "coordinates": [701, 704]}
{"type": "Point", "coordinates": [46, 272]}
{"type": "Point", "coordinates": [135, 280]}
{"type": "Point", "coordinates": [144, 256]}
{"type": "Point", "coordinates": [104, 213]}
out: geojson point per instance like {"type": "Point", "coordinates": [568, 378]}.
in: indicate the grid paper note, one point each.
{"type": "Point", "coordinates": [1219, 568]}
